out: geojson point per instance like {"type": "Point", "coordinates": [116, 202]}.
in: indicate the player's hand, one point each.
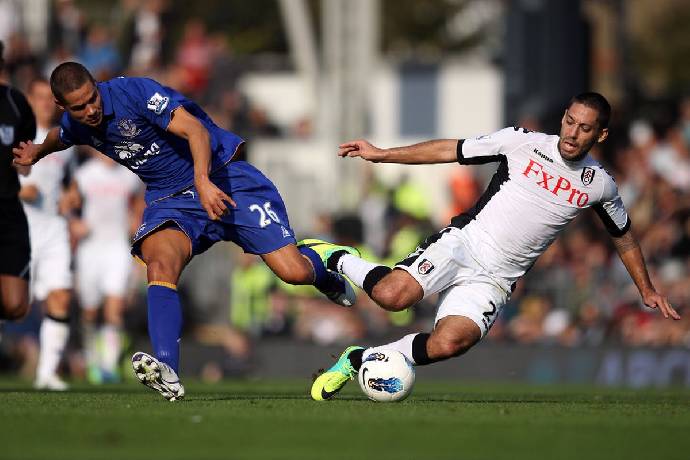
{"type": "Point", "coordinates": [657, 301]}
{"type": "Point", "coordinates": [360, 148]}
{"type": "Point", "coordinates": [25, 154]}
{"type": "Point", "coordinates": [213, 199]}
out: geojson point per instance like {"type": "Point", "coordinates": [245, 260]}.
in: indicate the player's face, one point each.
{"type": "Point", "coordinates": [579, 131]}
{"type": "Point", "coordinates": [41, 99]}
{"type": "Point", "coordinates": [84, 104]}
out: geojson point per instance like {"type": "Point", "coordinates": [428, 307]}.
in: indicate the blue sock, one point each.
{"type": "Point", "coordinates": [165, 323]}
{"type": "Point", "coordinates": [324, 280]}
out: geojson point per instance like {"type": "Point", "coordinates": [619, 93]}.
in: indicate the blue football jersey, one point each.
{"type": "Point", "coordinates": [136, 114]}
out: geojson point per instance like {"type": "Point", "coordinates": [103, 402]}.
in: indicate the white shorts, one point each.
{"type": "Point", "coordinates": [50, 255]}
{"type": "Point", "coordinates": [103, 270]}
{"type": "Point", "coordinates": [442, 265]}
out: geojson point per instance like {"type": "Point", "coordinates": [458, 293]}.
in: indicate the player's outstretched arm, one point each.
{"type": "Point", "coordinates": [213, 199]}
{"type": "Point", "coordinates": [28, 153]}
{"type": "Point", "coordinates": [429, 152]}
{"type": "Point", "coordinates": [631, 255]}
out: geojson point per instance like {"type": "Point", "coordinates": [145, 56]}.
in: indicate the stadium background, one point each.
{"type": "Point", "coordinates": [295, 78]}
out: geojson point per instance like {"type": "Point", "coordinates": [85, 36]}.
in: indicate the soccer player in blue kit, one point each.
{"type": "Point", "coordinates": [196, 195]}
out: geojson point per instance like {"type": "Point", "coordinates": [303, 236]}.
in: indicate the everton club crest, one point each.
{"type": "Point", "coordinates": [127, 127]}
{"type": "Point", "coordinates": [587, 175]}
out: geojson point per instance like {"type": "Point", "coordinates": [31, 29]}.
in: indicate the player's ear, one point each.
{"type": "Point", "coordinates": [59, 104]}
{"type": "Point", "coordinates": [603, 134]}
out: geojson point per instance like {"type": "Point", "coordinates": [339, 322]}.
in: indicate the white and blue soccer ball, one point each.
{"type": "Point", "coordinates": [386, 375]}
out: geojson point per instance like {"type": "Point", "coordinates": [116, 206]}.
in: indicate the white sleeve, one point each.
{"type": "Point", "coordinates": [490, 147]}
{"type": "Point", "coordinates": [35, 177]}
{"type": "Point", "coordinates": [611, 210]}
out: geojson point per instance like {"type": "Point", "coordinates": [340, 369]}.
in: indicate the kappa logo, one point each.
{"type": "Point", "coordinates": [542, 155]}
{"type": "Point", "coordinates": [587, 175]}
{"type": "Point", "coordinates": [286, 233]}
{"type": "Point", "coordinates": [127, 127]}
{"type": "Point", "coordinates": [7, 134]}
{"type": "Point", "coordinates": [425, 267]}
{"type": "Point", "coordinates": [157, 103]}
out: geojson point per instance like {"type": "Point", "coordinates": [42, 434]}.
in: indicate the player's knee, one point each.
{"type": "Point", "coordinates": [159, 270]}
{"type": "Point", "coordinates": [392, 296]}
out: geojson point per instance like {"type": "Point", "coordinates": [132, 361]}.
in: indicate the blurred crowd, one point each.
{"type": "Point", "coordinates": [578, 293]}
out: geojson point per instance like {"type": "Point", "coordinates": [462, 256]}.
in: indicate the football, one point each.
{"type": "Point", "coordinates": [386, 376]}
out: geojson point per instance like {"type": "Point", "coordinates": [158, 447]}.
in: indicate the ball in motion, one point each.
{"type": "Point", "coordinates": [386, 376]}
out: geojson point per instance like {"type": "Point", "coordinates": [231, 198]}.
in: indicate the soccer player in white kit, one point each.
{"type": "Point", "coordinates": [51, 279]}
{"type": "Point", "coordinates": [541, 184]}
{"type": "Point", "coordinates": [103, 263]}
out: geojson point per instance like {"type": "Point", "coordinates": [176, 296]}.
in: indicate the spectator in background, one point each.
{"type": "Point", "coordinates": [20, 61]}
{"type": "Point", "coordinates": [668, 156]}
{"type": "Point", "coordinates": [67, 26]}
{"type": "Point", "coordinates": [99, 54]}
{"type": "Point", "coordinates": [104, 192]}
{"type": "Point", "coordinates": [194, 56]}
{"type": "Point", "coordinates": [144, 37]}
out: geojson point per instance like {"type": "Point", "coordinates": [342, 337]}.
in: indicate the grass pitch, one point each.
{"type": "Point", "coordinates": [277, 420]}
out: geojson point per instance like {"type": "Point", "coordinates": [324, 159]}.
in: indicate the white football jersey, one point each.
{"type": "Point", "coordinates": [532, 196]}
{"type": "Point", "coordinates": [106, 189]}
{"type": "Point", "coordinates": [47, 175]}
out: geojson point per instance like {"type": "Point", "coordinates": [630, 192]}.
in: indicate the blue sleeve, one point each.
{"type": "Point", "coordinates": [67, 136]}
{"type": "Point", "coordinates": [157, 102]}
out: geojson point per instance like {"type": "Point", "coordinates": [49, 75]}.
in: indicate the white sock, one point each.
{"type": "Point", "coordinates": [53, 339]}
{"type": "Point", "coordinates": [403, 345]}
{"type": "Point", "coordinates": [90, 351]}
{"type": "Point", "coordinates": [355, 268]}
{"type": "Point", "coordinates": [112, 345]}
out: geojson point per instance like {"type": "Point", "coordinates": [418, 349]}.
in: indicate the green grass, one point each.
{"type": "Point", "coordinates": [273, 420]}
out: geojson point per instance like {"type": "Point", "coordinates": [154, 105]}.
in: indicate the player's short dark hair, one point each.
{"type": "Point", "coordinates": [597, 102]}
{"type": "Point", "coordinates": [68, 77]}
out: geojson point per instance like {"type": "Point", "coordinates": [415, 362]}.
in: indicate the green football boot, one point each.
{"type": "Point", "coordinates": [325, 249]}
{"type": "Point", "coordinates": [328, 384]}
{"type": "Point", "coordinates": [344, 294]}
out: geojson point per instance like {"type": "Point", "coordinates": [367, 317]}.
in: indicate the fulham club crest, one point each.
{"type": "Point", "coordinates": [587, 175]}
{"type": "Point", "coordinates": [425, 267]}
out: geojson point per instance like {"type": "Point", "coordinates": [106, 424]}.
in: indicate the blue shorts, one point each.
{"type": "Point", "coordinates": [259, 224]}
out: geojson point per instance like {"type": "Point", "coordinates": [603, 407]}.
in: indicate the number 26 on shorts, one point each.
{"type": "Point", "coordinates": [266, 214]}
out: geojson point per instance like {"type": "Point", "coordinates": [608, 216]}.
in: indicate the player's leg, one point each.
{"type": "Point", "coordinates": [89, 334]}
{"type": "Point", "coordinates": [115, 289]}
{"type": "Point", "coordinates": [400, 288]}
{"type": "Point", "coordinates": [53, 285]}
{"type": "Point", "coordinates": [111, 336]}
{"type": "Point", "coordinates": [91, 269]}
{"type": "Point", "coordinates": [53, 338]}
{"type": "Point", "coordinates": [15, 263]}
{"type": "Point", "coordinates": [468, 305]}
{"type": "Point", "coordinates": [302, 265]}
{"type": "Point", "coordinates": [165, 253]}
{"type": "Point", "coordinates": [260, 225]}
{"type": "Point", "coordinates": [14, 297]}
